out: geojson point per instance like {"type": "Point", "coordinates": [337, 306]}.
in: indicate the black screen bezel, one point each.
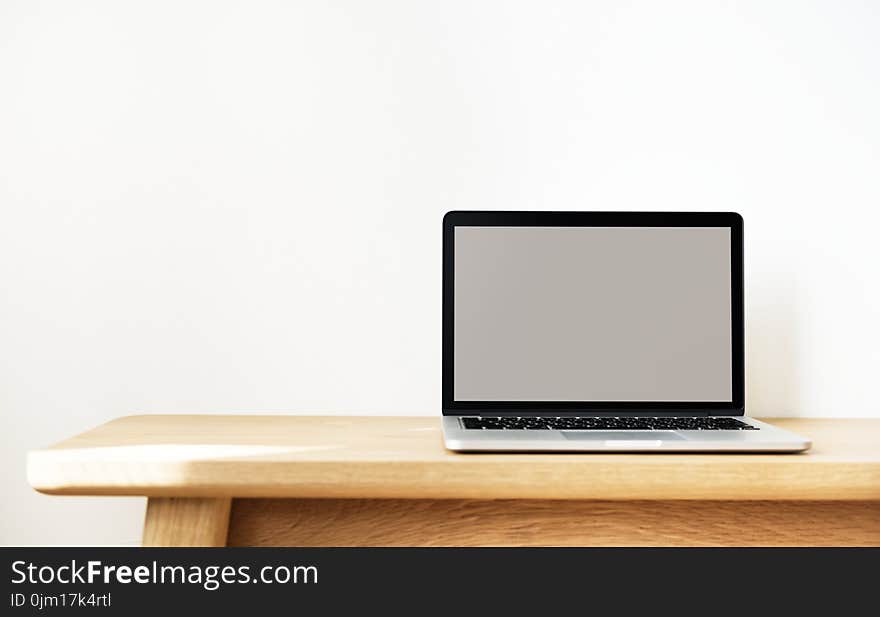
{"type": "Point", "coordinates": [731, 220]}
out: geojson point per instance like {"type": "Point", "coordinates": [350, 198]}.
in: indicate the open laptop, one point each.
{"type": "Point", "coordinates": [597, 331]}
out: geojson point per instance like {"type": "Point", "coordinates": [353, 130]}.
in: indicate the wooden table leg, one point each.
{"type": "Point", "coordinates": [186, 521]}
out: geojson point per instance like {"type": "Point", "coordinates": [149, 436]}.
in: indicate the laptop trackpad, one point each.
{"type": "Point", "coordinates": [622, 435]}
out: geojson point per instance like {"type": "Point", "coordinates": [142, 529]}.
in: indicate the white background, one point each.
{"type": "Point", "coordinates": [235, 206]}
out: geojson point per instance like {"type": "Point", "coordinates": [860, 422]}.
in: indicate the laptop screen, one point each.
{"type": "Point", "coordinates": [617, 314]}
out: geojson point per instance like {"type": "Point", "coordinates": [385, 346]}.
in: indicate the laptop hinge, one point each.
{"type": "Point", "coordinates": [588, 412]}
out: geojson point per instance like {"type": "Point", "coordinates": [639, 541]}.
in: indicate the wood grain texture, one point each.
{"type": "Point", "coordinates": [174, 521]}
{"type": "Point", "coordinates": [396, 522]}
{"type": "Point", "coordinates": [404, 457]}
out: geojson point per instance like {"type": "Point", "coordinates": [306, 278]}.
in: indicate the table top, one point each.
{"type": "Point", "coordinates": [404, 457]}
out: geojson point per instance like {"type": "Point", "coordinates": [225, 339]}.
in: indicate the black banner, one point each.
{"type": "Point", "coordinates": [125, 581]}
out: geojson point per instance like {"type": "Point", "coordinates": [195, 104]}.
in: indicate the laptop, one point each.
{"type": "Point", "coordinates": [597, 331]}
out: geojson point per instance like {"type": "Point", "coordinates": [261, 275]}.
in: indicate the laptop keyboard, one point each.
{"type": "Point", "coordinates": [590, 423]}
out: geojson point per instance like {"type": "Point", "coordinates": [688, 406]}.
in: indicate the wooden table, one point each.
{"type": "Point", "coordinates": [364, 481]}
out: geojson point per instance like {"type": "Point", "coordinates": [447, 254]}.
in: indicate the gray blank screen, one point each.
{"type": "Point", "coordinates": [592, 314]}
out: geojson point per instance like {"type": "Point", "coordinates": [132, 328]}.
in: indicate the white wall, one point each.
{"type": "Point", "coordinates": [235, 206]}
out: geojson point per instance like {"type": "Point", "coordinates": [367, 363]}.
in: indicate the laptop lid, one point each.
{"type": "Point", "coordinates": [595, 313]}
